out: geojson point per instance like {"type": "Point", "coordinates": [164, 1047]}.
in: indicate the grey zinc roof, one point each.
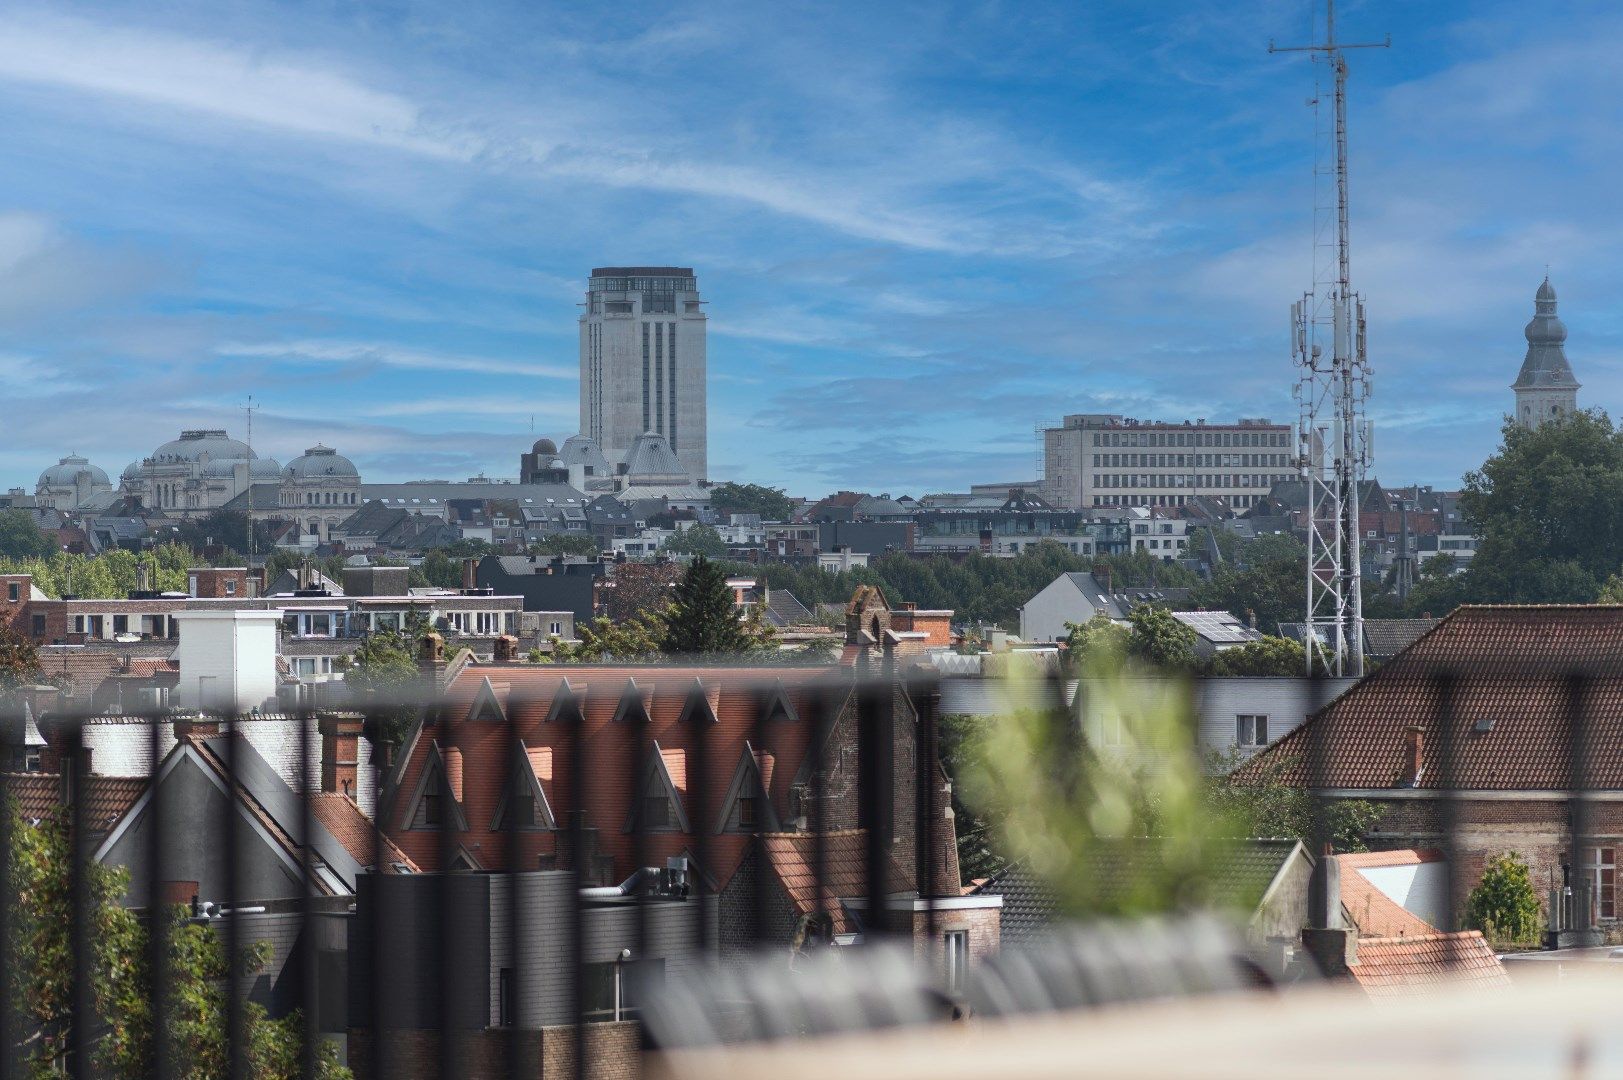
{"type": "Point", "coordinates": [266, 496]}
{"type": "Point", "coordinates": [1096, 593]}
{"type": "Point", "coordinates": [651, 456]}
{"type": "Point", "coordinates": [785, 609]}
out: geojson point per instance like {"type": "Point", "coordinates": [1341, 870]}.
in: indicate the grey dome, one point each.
{"type": "Point", "coordinates": [651, 458]}
{"type": "Point", "coordinates": [321, 461]}
{"type": "Point", "coordinates": [545, 448]}
{"type": "Point", "coordinates": [65, 473]}
{"type": "Point", "coordinates": [264, 467]}
{"type": "Point", "coordinates": [215, 445]}
{"type": "Point", "coordinates": [1546, 291]}
{"type": "Point", "coordinates": [132, 471]}
{"type": "Point", "coordinates": [583, 450]}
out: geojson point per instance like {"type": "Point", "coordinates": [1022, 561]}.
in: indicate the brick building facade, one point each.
{"type": "Point", "coordinates": [1495, 732]}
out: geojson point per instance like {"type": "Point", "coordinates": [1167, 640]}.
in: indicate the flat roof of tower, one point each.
{"type": "Point", "coordinates": [642, 271]}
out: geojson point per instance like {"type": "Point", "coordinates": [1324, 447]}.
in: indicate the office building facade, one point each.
{"type": "Point", "coordinates": [1100, 459]}
{"type": "Point", "coordinates": [642, 362]}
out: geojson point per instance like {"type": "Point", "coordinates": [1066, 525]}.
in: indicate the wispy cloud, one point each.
{"type": "Point", "coordinates": [378, 354]}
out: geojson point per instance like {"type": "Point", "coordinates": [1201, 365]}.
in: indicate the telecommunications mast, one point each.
{"type": "Point", "coordinates": [1333, 435]}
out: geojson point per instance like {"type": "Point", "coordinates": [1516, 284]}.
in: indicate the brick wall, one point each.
{"type": "Point", "coordinates": [612, 1053]}
{"type": "Point", "coordinates": [14, 592]}
{"type": "Point", "coordinates": [218, 583]}
{"type": "Point", "coordinates": [1538, 830]}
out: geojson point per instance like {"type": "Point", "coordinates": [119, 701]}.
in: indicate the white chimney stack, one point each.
{"type": "Point", "coordinates": [227, 659]}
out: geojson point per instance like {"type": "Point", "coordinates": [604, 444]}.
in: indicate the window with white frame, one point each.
{"type": "Point", "coordinates": [956, 947]}
{"type": "Point", "coordinates": [1251, 730]}
{"type": "Point", "coordinates": [1602, 871]}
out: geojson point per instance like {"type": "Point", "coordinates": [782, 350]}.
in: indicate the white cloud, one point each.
{"type": "Point", "coordinates": [224, 80]}
{"type": "Point", "coordinates": [365, 353]}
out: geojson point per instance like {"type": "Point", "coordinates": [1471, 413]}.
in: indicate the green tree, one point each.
{"type": "Point", "coordinates": [1267, 805]}
{"type": "Point", "coordinates": [564, 544]}
{"type": "Point", "coordinates": [638, 639]}
{"type": "Point", "coordinates": [1270, 656]}
{"type": "Point", "coordinates": [769, 502]}
{"type": "Point", "coordinates": [21, 538]}
{"type": "Point", "coordinates": [1267, 578]}
{"type": "Point", "coordinates": [1096, 646]}
{"type": "Point", "coordinates": [39, 976]}
{"type": "Point", "coordinates": [1548, 508]}
{"type": "Point", "coordinates": [703, 620]}
{"type": "Point", "coordinates": [19, 660]}
{"type": "Point", "coordinates": [962, 744]}
{"type": "Point", "coordinates": [383, 672]}
{"type": "Point", "coordinates": [695, 540]}
{"type": "Point", "coordinates": [1504, 905]}
{"type": "Point", "coordinates": [1158, 638]}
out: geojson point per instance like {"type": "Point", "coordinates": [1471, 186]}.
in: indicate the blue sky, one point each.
{"type": "Point", "coordinates": [921, 228]}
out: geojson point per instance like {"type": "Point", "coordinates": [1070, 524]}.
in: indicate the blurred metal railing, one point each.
{"type": "Point", "coordinates": [581, 897]}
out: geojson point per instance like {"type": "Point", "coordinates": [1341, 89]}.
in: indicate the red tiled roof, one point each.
{"type": "Point", "coordinates": [793, 860]}
{"type": "Point", "coordinates": [339, 815]}
{"type": "Point", "coordinates": [1511, 670]}
{"type": "Point", "coordinates": [1371, 910]}
{"type": "Point", "coordinates": [107, 798]}
{"type": "Point", "coordinates": [1396, 967]}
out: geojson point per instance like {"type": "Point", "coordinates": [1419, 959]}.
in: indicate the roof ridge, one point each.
{"type": "Point", "coordinates": [1441, 935]}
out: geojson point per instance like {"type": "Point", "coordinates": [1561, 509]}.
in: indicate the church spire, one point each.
{"type": "Point", "coordinates": [1545, 387]}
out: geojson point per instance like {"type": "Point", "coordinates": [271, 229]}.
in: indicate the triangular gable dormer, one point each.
{"type": "Point", "coordinates": [775, 703]}
{"type": "Point", "coordinates": [435, 802]}
{"type": "Point", "coordinates": [658, 804]}
{"type": "Point", "coordinates": [568, 703]}
{"type": "Point", "coordinates": [524, 805]}
{"type": "Point", "coordinates": [463, 862]}
{"type": "Point", "coordinates": [633, 705]}
{"type": "Point", "coordinates": [698, 706]}
{"type": "Point", "coordinates": [486, 706]}
{"type": "Point", "coordinates": [747, 807]}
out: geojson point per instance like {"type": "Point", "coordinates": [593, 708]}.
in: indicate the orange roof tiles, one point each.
{"type": "Point", "coordinates": [792, 858]}
{"type": "Point", "coordinates": [107, 798]}
{"type": "Point", "coordinates": [1510, 670]}
{"type": "Point", "coordinates": [1375, 913]}
{"type": "Point", "coordinates": [676, 765]}
{"type": "Point", "coordinates": [339, 815]}
{"type": "Point", "coordinates": [1396, 967]}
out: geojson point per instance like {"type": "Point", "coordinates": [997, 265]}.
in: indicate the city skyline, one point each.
{"type": "Point", "coordinates": [913, 253]}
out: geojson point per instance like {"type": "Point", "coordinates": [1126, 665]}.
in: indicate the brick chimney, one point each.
{"type": "Point", "coordinates": [506, 651]}
{"type": "Point", "coordinates": [1415, 759]}
{"type": "Point", "coordinates": [340, 754]}
{"type": "Point", "coordinates": [470, 573]}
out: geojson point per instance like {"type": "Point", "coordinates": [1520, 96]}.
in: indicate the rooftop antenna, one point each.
{"type": "Point", "coordinates": [249, 409]}
{"type": "Point", "coordinates": [1334, 436]}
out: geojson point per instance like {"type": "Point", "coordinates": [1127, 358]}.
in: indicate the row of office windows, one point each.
{"type": "Point", "coordinates": [1237, 461]}
{"type": "Point", "coordinates": [1191, 438]}
{"type": "Point", "coordinates": [1187, 480]}
{"type": "Point", "coordinates": [1239, 502]}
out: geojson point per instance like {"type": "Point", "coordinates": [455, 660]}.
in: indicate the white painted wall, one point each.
{"type": "Point", "coordinates": [227, 659]}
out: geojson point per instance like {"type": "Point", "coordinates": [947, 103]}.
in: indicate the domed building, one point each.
{"type": "Point", "coordinates": [1546, 389]}
{"type": "Point", "coordinates": [319, 489]}
{"type": "Point", "coordinates": [73, 484]}
{"type": "Point", "coordinates": [542, 465]}
{"type": "Point", "coordinates": [197, 473]}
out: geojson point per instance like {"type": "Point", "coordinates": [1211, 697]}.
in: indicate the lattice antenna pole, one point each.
{"type": "Point", "coordinates": [249, 409]}
{"type": "Point", "coordinates": [1334, 434]}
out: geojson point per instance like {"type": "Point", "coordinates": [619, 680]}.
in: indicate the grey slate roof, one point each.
{"type": "Point", "coordinates": [433, 494]}
{"type": "Point", "coordinates": [651, 457]}
{"type": "Point", "coordinates": [1385, 638]}
{"type": "Point", "coordinates": [266, 496]}
{"type": "Point", "coordinates": [284, 806]}
{"type": "Point", "coordinates": [1029, 904]}
{"type": "Point", "coordinates": [783, 608]}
